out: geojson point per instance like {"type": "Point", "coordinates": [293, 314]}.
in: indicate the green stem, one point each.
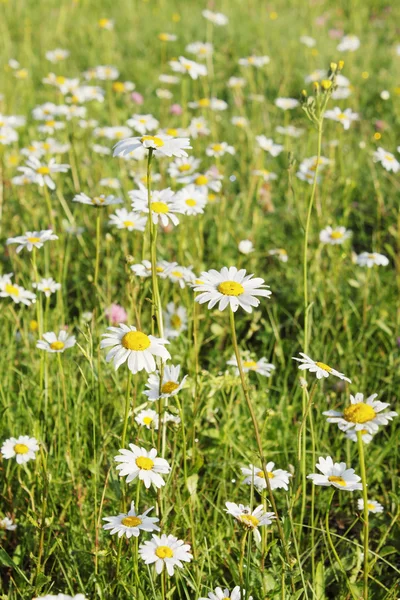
{"type": "Point", "coordinates": [366, 517]}
{"type": "Point", "coordinates": [97, 259]}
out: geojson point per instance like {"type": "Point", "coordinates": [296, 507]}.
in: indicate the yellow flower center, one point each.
{"type": "Point", "coordinates": [249, 521]}
{"type": "Point", "coordinates": [60, 79]}
{"type": "Point", "coordinates": [169, 387]}
{"type": "Point", "coordinates": [118, 86]}
{"type": "Point", "coordinates": [164, 37]}
{"type": "Point", "coordinates": [176, 321]}
{"type": "Point", "coordinates": [172, 131]}
{"type": "Point", "coordinates": [152, 138]}
{"type": "Point", "coordinates": [43, 170]}
{"type": "Point", "coordinates": [144, 463]}
{"type": "Point", "coordinates": [359, 413]}
{"type": "Point", "coordinates": [371, 506]}
{"type": "Point", "coordinates": [217, 147]}
{"type": "Point", "coordinates": [261, 474]}
{"type": "Point", "coordinates": [103, 22]}
{"type": "Point", "coordinates": [164, 552]}
{"type": "Point", "coordinates": [131, 521]}
{"type": "Point", "coordinates": [341, 116]}
{"type": "Point", "coordinates": [98, 200]}
{"type": "Point", "coordinates": [336, 235]}
{"type": "Point", "coordinates": [201, 180]}
{"type": "Point", "coordinates": [160, 269]}
{"type": "Point", "coordinates": [147, 420]}
{"type": "Point", "coordinates": [337, 479]}
{"type": "Point", "coordinates": [178, 274]}
{"type": "Point", "coordinates": [204, 102]}
{"type": "Point", "coordinates": [389, 157]}
{"type": "Point", "coordinates": [57, 345]}
{"type": "Point", "coordinates": [33, 325]}
{"type": "Point", "coordinates": [324, 367]}
{"type": "Point", "coordinates": [135, 340]}
{"type": "Point", "coordinates": [231, 288]}
{"type": "Point", "coordinates": [128, 223]}
{"type": "Point", "coordinates": [185, 167]}
{"type": "Point", "coordinates": [21, 448]}
{"type": "Point", "coordinates": [190, 202]}
{"type": "Point", "coordinates": [159, 207]}
{"type": "Point", "coordinates": [50, 123]}
{"type": "Point", "coordinates": [33, 240]}
{"type": "Point", "coordinates": [119, 134]}
{"type": "Point", "coordinates": [11, 289]}
{"type": "Point", "coordinates": [250, 364]}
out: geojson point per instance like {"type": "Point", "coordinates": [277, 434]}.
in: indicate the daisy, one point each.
{"type": "Point", "coordinates": [219, 149]}
{"type": "Point", "coordinates": [231, 287]}
{"type": "Point", "coordinates": [103, 150]}
{"type": "Point", "coordinates": [137, 462]}
{"type": "Point", "coordinates": [117, 133]}
{"type": "Point", "coordinates": [131, 524]}
{"type": "Point", "coordinates": [143, 123]}
{"type": "Point", "coordinates": [167, 37]}
{"type": "Point", "coordinates": [167, 551]}
{"type": "Point", "coordinates": [143, 269]}
{"type": "Point", "coordinates": [104, 73]}
{"type": "Point", "coordinates": [336, 475]}
{"type": "Point", "coordinates": [8, 136]}
{"type": "Point", "coordinates": [56, 343]}
{"type": "Point", "coordinates": [161, 144]}
{"type": "Point", "coordinates": [48, 286]}
{"type": "Point", "coordinates": [373, 506]}
{"type": "Point", "coordinates": [192, 200]}
{"type": "Point", "coordinates": [23, 449]}
{"type": "Point", "coordinates": [361, 415]}
{"type": "Point", "coordinates": [286, 103]}
{"type": "Point", "coordinates": [210, 180]}
{"type": "Point", "coordinates": [147, 418]}
{"type": "Point", "coordinates": [163, 205]}
{"type": "Point", "coordinates": [261, 366]}
{"type": "Point", "coordinates": [319, 368]}
{"type": "Point", "coordinates": [134, 347]}
{"type": "Point", "coordinates": [200, 49]}
{"type": "Point", "coordinates": [51, 126]}
{"type": "Point", "coordinates": [280, 253]}
{"type": "Point", "coordinates": [349, 43]}
{"type": "Point", "coordinates": [41, 173]}
{"type": "Point", "coordinates": [351, 434]}
{"type": "Point", "coordinates": [57, 55]}
{"type": "Point", "coordinates": [335, 236]}
{"type": "Point", "coordinates": [169, 386]}
{"type": "Point", "coordinates": [290, 130]}
{"type": "Point", "coordinates": [220, 594]}
{"type": "Point", "coordinates": [268, 145]}
{"type": "Point", "coordinates": [100, 200]}
{"type": "Point", "coordinates": [250, 520]}
{"type": "Point", "coordinates": [178, 274]}
{"type": "Point", "coordinates": [7, 524]}
{"type": "Point", "coordinates": [107, 24]}
{"type": "Point", "coordinates": [387, 160]}
{"type": "Point", "coordinates": [369, 259]}
{"type": "Point", "coordinates": [216, 18]}
{"type": "Point", "coordinates": [240, 122]}
{"type": "Point", "coordinates": [236, 82]}
{"type": "Point", "coordinates": [124, 219]}
{"type": "Point", "coordinates": [308, 41]}
{"type": "Point", "coordinates": [246, 246]}
{"type": "Point", "coordinates": [345, 117]}
{"type": "Point", "coordinates": [175, 320]}
{"type": "Point", "coordinates": [254, 61]}
{"type": "Point", "coordinates": [265, 175]}
{"type": "Point", "coordinates": [182, 168]}
{"type": "Point", "coordinates": [32, 239]}
{"type": "Point", "coordinates": [184, 65]}
{"type": "Point", "coordinates": [123, 87]}
{"type": "Point", "coordinates": [277, 478]}
{"type": "Point", "coordinates": [18, 294]}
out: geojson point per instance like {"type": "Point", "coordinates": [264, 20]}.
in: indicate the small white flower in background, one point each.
{"type": "Point", "coordinates": [192, 200]}
{"type": "Point", "coordinates": [32, 239]}
{"type": "Point", "coordinates": [336, 475]}
{"type": "Point", "coordinates": [210, 180]}
{"type": "Point", "coordinates": [287, 103]}
{"type": "Point", "coordinates": [170, 385]}
{"type": "Point", "coordinates": [57, 55]}
{"type": "Point", "coordinates": [164, 94]}
{"type": "Point", "coordinates": [184, 65]}
{"type": "Point", "coordinates": [225, 594]}
{"type": "Point", "coordinates": [334, 236]}
{"type": "Point", "coordinates": [308, 41]}
{"type": "Point", "coordinates": [23, 449]}
{"type": "Point", "coordinates": [167, 37]}
{"type": "Point", "coordinates": [250, 519]}
{"type": "Point", "coordinates": [124, 219]}
{"type": "Point", "coordinates": [385, 95]}
{"type": "Point", "coordinates": [8, 136]}
{"type": "Point", "coordinates": [373, 506]}
{"type": "Point", "coordinates": [170, 418]}
{"type": "Point", "coordinates": [254, 61]}
{"type": "Point", "coordinates": [178, 274]}
{"type": "Point", "coordinates": [200, 49]}
{"type": "Point", "coordinates": [163, 205]}
{"type": "Point", "coordinates": [280, 253]}
{"type": "Point", "coordinates": [240, 122]}
{"type": "Point", "coordinates": [290, 130]}
{"type": "Point", "coordinates": [102, 72]}
{"type": "Point", "coordinates": [110, 182]}
{"type": "Point", "coordinates": [131, 524]}
{"type": "Point", "coordinates": [161, 144]}
{"type": "Point", "coordinates": [143, 269]}
{"type": "Point", "coordinates": [260, 366]}
{"type": "Point", "coordinates": [351, 434]}
{"type": "Point", "coordinates": [349, 43]}
{"type": "Point", "coordinates": [230, 287]}
{"type": "Point", "coordinates": [268, 145]}
{"type": "Point", "coordinates": [61, 597]}
{"type": "Point", "coordinates": [387, 160]}
{"type": "Point", "coordinates": [182, 168]}
{"type": "Point", "coordinates": [18, 294]}
{"type": "Point", "coordinates": [168, 79]}
{"type": "Point", "coordinates": [103, 150]}
{"type": "Point", "coordinates": [369, 259]}
{"type": "Point", "coordinates": [147, 418]}
{"type": "Point", "coordinates": [167, 551]}
{"type": "Point", "coordinates": [133, 347]}
{"type": "Point", "coordinates": [175, 320]}
{"type": "Point", "coordinates": [219, 149]}
{"type": "Point", "coordinates": [361, 415]}
{"type": "Point", "coordinates": [56, 343]}
{"type": "Point", "coordinates": [100, 200]}
{"type": "Point", "coordinates": [319, 368]}
{"type": "Point", "coordinates": [216, 18]}
{"type": "Point", "coordinates": [246, 246]}
{"type": "Point", "coordinates": [143, 123]}
{"type": "Point", "coordinates": [137, 462]}
{"type": "Point", "coordinates": [41, 173]}
{"type": "Point", "coordinates": [345, 117]}
{"type": "Point", "coordinates": [7, 524]}
{"type": "Point", "coordinates": [48, 286]}
{"type": "Point", "coordinates": [278, 478]}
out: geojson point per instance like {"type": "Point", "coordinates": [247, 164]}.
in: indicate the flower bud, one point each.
{"type": "Point", "coordinates": [326, 84]}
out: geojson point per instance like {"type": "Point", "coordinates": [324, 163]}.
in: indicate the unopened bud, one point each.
{"type": "Point", "coordinates": [341, 64]}
{"type": "Point", "coordinates": [304, 93]}
{"type": "Point", "coordinates": [316, 86]}
{"type": "Point", "coordinates": [303, 382]}
{"type": "Point", "coordinates": [333, 66]}
{"type": "Point", "coordinates": [326, 84]}
{"type": "Point", "coordinates": [129, 259]}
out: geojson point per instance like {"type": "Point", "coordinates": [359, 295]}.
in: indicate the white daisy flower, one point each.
{"type": "Point", "coordinates": [182, 168]}
{"type": "Point", "coordinates": [50, 127]}
{"type": "Point", "coordinates": [184, 65]}
{"type": "Point", "coordinates": [137, 462]}
{"type": "Point", "coordinates": [170, 385]}
{"type": "Point", "coordinates": [245, 246]}
{"type": "Point", "coordinates": [231, 287]}
{"type": "Point", "coordinates": [336, 475]}
{"type": "Point", "coordinates": [62, 597]}
{"type": "Point", "coordinates": [373, 506]}
{"type": "Point", "coordinates": [41, 173]}
{"type": "Point", "coordinates": [123, 87]}
{"type": "Point", "coordinates": [131, 524]}
{"type": "Point", "coordinates": [167, 37]}
{"type": "Point", "coordinates": [162, 144]}
{"type": "Point", "coordinates": [103, 150]}
{"type": "Point", "coordinates": [280, 253]}
{"type": "Point", "coordinates": [124, 219]}
{"type": "Point", "coordinates": [192, 200]}
{"type": "Point", "coordinates": [348, 43]}
{"type": "Point", "coordinates": [278, 478]}
{"type": "Point", "coordinates": [210, 180]}
{"type": "Point", "coordinates": [100, 200]}
{"type": "Point", "coordinates": [23, 449]}
{"type": "Point", "coordinates": [178, 274]}
{"type": "Point", "coordinates": [361, 415]}
{"type": "Point", "coordinates": [287, 103]}
{"type": "Point", "coordinates": [200, 49]}
{"type": "Point", "coordinates": [56, 343]}
{"type": "Point", "coordinates": [319, 368]}
{"type": "Point", "coordinates": [216, 18]}
{"type": "Point", "coordinates": [147, 418]}
{"type": "Point", "coordinates": [134, 347]}
{"type": "Point", "coordinates": [269, 145]}
{"type": "Point", "coordinates": [18, 294]}
{"type": "Point", "coordinates": [254, 61]}
{"type": "Point", "coordinates": [32, 239]}
{"type": "Point", "coordinates": [107, 24]}
{"type": "Point", "coordinates": [290, 130]}
{"type": "Point", "coordinates": [250, 520]}
{"type": "Point", "coordinates": [345, 117]}
{"type": "Point", "coordinates": [308, 41]}
{"type": "Point", "coordinates": [240, 122]}
{"type": "Point", "coordinates": [265, 174]}
{"type": "Point", "coordinates": [143, 269]}
{"type": "Point", "coordinates": [236, 82]}
{"type": "Point", "coordinates": [387, 160]}
{"type": "Point", "coordinates": [175, 320]}
{"type": "Point", "coordinates": [110, 182]}
{"type": "Point", "coordinates": [8, 136]}
{"type": "Point", "coordinates": [369, 259]}
{"type": "Point", "coordinates": [7, 524]}
{"type": "Point", "coordinates": [365, 435]}
{"type": "Point", "coordinates": [57, 55]}
{"type": "Point", "coordinates": [163, 205]}
{"type": "Point", "coordinates": [225, 594]}
{"type": "Point", "coordinates": [143, 123]}
{"type": "Point", "coordinates": [198, 127]}
{"type": "Point", "coordinates": [219, 149]}
{"type": "Point", "coordinates": [167, 551]}
{"type": "Point", "coordinates": [260, 366]}
{"type": "Point", "coordinates": [334, 236]}
{"type": "Point", "coordinates": [48, 286]}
